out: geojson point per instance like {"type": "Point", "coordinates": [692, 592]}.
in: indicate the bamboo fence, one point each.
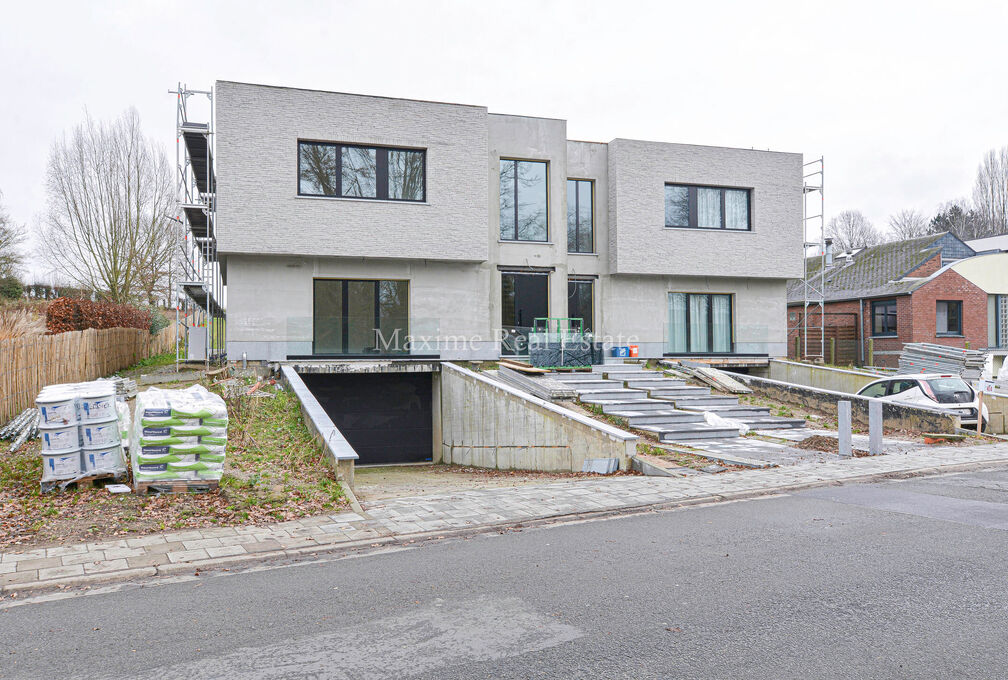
{"type": "Point", "coordinates": [29, 363]}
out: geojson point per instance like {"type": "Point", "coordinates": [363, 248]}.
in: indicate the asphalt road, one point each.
{"type": "Point", "coordinates": [889, 580]}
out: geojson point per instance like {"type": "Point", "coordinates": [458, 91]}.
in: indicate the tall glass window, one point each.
{"type": "Point", "coordinates": [361, 316]}
{"type": "Point", "coordinates": [523, 200]}
{"type": "Point", "coordinates": [352, 171]}
{"type": "Point", "coordinates": [524, 298]}
{"type": "Point", "coordinates": [580, 236]}
{"type": "Point", "coordinates": [698, 207]}
{"type": "Point", "coordinates": [580, 302]}
{"type": "Point", "coordinates": [699, 323]}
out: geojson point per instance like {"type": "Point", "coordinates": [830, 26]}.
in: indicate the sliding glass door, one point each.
{"type": "Point", "coordinates": [361, 317]}
{"type": "Point", "coordinates": [699, 323]}
{"type": "Point", "coordinates": [524, 298]}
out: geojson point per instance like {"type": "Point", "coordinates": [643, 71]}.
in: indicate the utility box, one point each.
{"type": "Point", "coordinates": [196, 343]}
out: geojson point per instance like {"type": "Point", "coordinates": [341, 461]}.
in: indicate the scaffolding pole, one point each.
{"type": "Point", "coordinates": [814, 276]}
{"type": "Point", "coordinates": [199, 288]}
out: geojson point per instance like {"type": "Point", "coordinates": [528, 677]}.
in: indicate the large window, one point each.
{"type": "Point", "coordinates": [350, 171]}
{"type": "Point", "coordinates": [699, 323]}
{"type": "Point", "coordinates": [580, 232]}
{"type": "Point", "coordinates": [524, 298]}
{"type": "Point", "coordinates": [883, 318]}
{"type": "Point", "coordinates": [580, 301]}
{"type": "Point", "coordinates": [696, 207]}
{"type": "Point", "coordinates": [361, 317]}
{"type": "Point", "coordinates": [948, 317]}
{"type": "Point", "coordinates": [523, 201]}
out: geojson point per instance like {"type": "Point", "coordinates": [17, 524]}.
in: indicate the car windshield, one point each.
{"type": "Point", "coordinates": [951, 390]}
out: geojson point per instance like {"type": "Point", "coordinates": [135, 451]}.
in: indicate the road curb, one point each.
{"type": "Point", "coordinates": [362, 545]}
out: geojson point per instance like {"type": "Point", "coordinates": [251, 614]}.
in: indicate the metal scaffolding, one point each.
{"type": "Point", "coordinates": [200, 288]}
{"type": "Point", "coordinates": [814, 277]}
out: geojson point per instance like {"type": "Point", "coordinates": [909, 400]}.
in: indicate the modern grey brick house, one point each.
{"type": "Point", "coordinates": [339, 214]}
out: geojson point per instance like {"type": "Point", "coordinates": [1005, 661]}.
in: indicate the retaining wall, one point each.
{"type": "Point", "coordinates": [339, 453]}
{"type": "Point", "coordinates": [896, 416]}
{"type": "Point", "coordinates": [821, 377]}
{"type": "Point", "coordinates": [485, 423]}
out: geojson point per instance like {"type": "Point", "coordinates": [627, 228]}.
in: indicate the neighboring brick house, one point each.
{"type": "Point", "coordinates": [892, 294]}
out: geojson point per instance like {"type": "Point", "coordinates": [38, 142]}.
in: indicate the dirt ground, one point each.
{"type": "Point", "coordinates": [395, 481]}
{"type": "Point", "coordinates": [273, 472]}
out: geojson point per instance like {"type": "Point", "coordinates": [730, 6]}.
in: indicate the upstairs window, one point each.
{"type": "Point", "coordinates": [523, 200]}
{"type": "Point", "coordinates": [580, 231]}
{"type": "Point", "coordinates": [948, 317]}
{"type": "Point", "coordinates": [884, 318]}
{"type": "Point", "coordinates": [697, 207]}
{"type": "Point", "coordinates": [352, 171]}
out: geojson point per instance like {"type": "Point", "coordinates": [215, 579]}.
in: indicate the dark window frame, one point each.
{"type": "Point", "coordinates": [381, 171]}
{"type": "Point", "coordinates": [949, 333]}
{"type": "Point", "coordinates": [577, 217]}
{"type": "Point", "coordinates": [710, 322]}
{"type": "Point", "coordinates": [885, 332]}
{"type": "Point", "coordinates": [345, 312]}
{"type": "Point", "coordinates": [692, 209]}
{"type": "Point", "coordinates": [515, 194]}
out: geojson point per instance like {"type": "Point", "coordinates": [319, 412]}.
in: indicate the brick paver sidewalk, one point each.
{"type": "Point", "coordinates": [393, 519]}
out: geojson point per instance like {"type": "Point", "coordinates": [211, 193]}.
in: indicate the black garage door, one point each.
{"type": "Point", "coordinates": [386, 417]}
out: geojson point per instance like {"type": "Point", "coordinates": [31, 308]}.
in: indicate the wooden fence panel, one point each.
{"type": "Point", "coordinates": [27, 364]}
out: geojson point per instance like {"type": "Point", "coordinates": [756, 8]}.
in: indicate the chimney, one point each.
{"type": "Point", "coordinates": [829, 251]}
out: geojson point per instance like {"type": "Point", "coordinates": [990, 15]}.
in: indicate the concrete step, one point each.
{"type": "Point", "coordinates": [635, 405]}
{"type": "Point", "coordinates": [584, 385]}
{"type": "Point", "coordinates": [687, 431]}
{"type": "Point", "coordinates": [739, 411]}
{"type": "Point", "coordinates": [595, 396]}
{"type": "Point", "coordinates": [664, 392]}
{"type": "Point", "coordinates": [653, 383]}
{"type": "Point", "coordinates": [605, 368]}
{"type": "Point", "coordinates": [773, 423]}
{"type": "Point", "coordinates": [700, 403]}
{"type": "Point", "coordinates": [659, 418]}
{"type": "Point", "coordinates": [574, 377]}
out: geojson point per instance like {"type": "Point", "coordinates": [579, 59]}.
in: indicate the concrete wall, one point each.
{"type": "Point", "coordinates": [488, 424]}
{"type": "Point", "coordinates": [637, 307]}
{"type": "Point", "coordinates": [895, 416]}
{"type": "Point", "coordinates": [270, 301]}
{"type": "Point", "coordinates": [820, 377]}
{"type": "Point", "coordinates": [258, 207]}
{"type": "Point", "coordinates": [638, 172]}
{"type": "Point", "coordinates": [340, 455]}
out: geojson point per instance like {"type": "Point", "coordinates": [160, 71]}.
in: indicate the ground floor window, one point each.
{"type": "Point", "coordinates": [580, 301]}
{"type": "Point", "coordinates": [883, 318]}
{"type": "Point", "coordinates": [948, 317]}
{"type": "Point", "coordinates": [524, 298]}
{"type": "Point", "coordinates": [699, 323]}
{"type": "Point", "coordinates": [360, 316]}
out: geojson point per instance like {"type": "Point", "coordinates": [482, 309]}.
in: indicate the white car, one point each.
{"type": "Point", "coordinates": [947, 392]}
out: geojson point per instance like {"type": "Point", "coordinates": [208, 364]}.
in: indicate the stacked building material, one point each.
{"type": "Point", "coordinates": [925, 357]}
{"type": "Point", "coordinates": [79, 425]}
{"type": "Point", "coordinates": [21, 428]}
{"type": "Point", "coordinates": [178, 435]}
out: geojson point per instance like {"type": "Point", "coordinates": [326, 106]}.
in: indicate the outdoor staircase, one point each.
{"type": "Point", "coordinates": [668, 407]}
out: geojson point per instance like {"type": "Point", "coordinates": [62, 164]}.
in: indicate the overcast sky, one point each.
{"type": "Point", "coordinates": [901, 99]}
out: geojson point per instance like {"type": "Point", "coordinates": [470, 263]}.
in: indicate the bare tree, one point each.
{"type": "Point", "coordinates": [12, 235]}
{"type": "Point", "coordinates": [851, 230]}
{"type": "Point", "coordinates": [990, 193]}
{"type": "Point", "coordinates": [110, 193]}
{"type": "Point", "coordinates": [907, 224]}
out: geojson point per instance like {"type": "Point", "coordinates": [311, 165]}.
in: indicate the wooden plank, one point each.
{"type": "Point", "coordinates": [176, 486]}
{"type": "Point", "coordinates": [521, 366]}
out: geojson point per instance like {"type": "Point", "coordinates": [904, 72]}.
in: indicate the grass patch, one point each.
{"type": "Point", "coordinates": [150, 362]}
{"type": "Point", "coordinates": [274, 471]}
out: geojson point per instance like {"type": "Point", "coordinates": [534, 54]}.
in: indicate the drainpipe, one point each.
{"type": "Point", "coordinates": [860, 331]}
